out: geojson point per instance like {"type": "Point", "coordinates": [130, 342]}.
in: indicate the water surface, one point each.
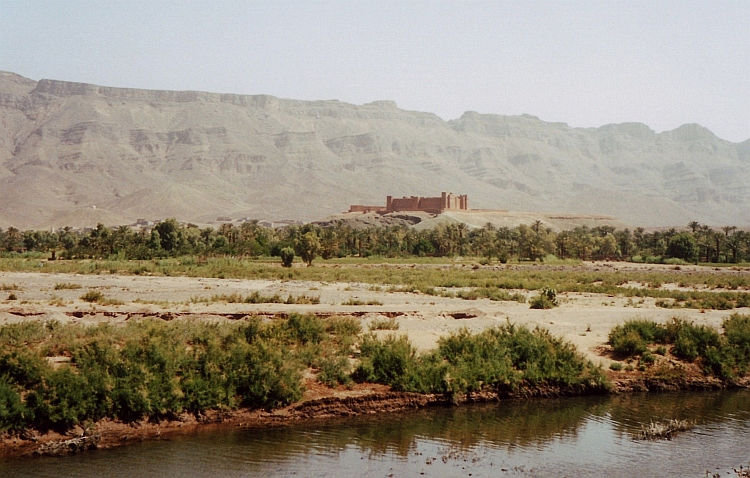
{"type": "Point", "coordinates": [584, 436]}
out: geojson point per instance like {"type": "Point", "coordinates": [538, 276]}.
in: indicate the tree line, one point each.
{"type": "Point", "coordinates": [696, 243]}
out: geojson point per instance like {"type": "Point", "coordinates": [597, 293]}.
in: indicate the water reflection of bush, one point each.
{"type": "Point", "coordinates": [506, 424]}
{"type": "Point", "coordinates": [628, 412]}
{"type": "Point", "coordinates": [529, 423]}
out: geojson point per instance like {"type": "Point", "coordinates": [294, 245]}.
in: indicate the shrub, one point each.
{"type": "Point", "coordinates": [626, 343]}
{"type": "Point", "coordinates": [384, 324]}
{"type": "Point", "coordinates": [343, 326]}
{"type": "Point", "coordinates": [492, 294]}
{"type": "Point", "coordinates": [648, 358]}
{"type": "Point", "coordinates": [389, 361]}
{"type": "Point", "coordinates": [287, 256]}
{"type": "Point", "coordinates": [61, 401]}
{"type": "Point", "coordinates": [721, 355]}
{"type": "Point", "coordinates": [13, 413]}
{"type": "Point", "coordinates": [148, 368]}
{"type": "Point", "coordinates": [691, 341]}
{"type": "Point", "coordinates": [92, 296]}
{"type": "Point", "coordinates": [737, 331]}
{"type": "Point", "coordinates": [334, 371]}
{"type": "Point", "coordinates": [22, 367]}
{"type": "Point", "coordinates": [67, 285]}
{"type": "Point", "coordinates": [306, 328]}
{"type": "Point", "coordinates": [503, 358]}
{"type": "Point", "coordinates": [616, 366]}
{"type": "Point", "coordinates": [737, 334]}
{"type": "Point", "coordinates": [546, 299]}
{"type": "Point", "coordinates": [353, 301]}
{"type": "Point", "coordinates": [720, 361]}
{"type": "Point", "coordinates": [632, 337]}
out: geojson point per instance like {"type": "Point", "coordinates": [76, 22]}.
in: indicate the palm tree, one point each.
{"type": "Point", "coordinates": [13, 239]}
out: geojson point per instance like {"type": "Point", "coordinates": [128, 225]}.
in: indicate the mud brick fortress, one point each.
{"type": "Point", "coordinates": [434, 205]}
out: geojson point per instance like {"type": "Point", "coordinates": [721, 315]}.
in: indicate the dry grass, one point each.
{"type": "Point", "coordinates": [384, 324]}
{"type": "Point", "coordinates": [67, 286]}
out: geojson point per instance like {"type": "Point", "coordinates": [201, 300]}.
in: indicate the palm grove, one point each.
{"type": "Point", "coordinates": [697, 243]}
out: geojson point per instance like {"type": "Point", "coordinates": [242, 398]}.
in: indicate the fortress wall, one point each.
{"type": "Point", "coordinates": [431, 204]}
{"type": "Point", "coordinates": [435, 205]}
{"type": "Point", "coordinates": [405, 204]}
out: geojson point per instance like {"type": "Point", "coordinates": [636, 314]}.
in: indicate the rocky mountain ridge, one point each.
{"type": "Point", "coordinates": [77, 154]}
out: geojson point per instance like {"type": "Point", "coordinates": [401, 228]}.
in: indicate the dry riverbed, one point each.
{"type": "Point", "coordinates": [584, 319]}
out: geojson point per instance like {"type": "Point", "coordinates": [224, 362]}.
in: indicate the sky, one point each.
{"type": "Point", "coordinates": [585, 63]}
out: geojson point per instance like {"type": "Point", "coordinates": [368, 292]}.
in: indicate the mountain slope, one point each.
{"type": "Point", "coordinates": [67, 147]}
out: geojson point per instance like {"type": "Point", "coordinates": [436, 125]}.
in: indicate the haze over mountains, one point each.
{"type": "Point", "coordinates": [77, 154]}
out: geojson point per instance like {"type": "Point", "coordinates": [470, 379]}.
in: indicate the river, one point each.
{"type": "Point", "coordinates": [581, 437]}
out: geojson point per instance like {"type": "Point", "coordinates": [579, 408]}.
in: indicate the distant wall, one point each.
{"type": "Point", "coordinates": [435, 205]}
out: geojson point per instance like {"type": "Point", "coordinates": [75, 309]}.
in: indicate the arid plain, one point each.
{"type": "Point", "coordinates": [585, 319]}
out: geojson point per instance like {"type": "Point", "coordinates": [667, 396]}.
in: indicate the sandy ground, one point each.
{"type": "Point", "coordinates": [583, 319]}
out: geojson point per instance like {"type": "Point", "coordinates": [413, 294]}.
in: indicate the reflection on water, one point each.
{"type": "Point", "coordinates": [587, 436]}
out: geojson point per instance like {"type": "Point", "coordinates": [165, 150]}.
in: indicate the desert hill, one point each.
{"type": "Point", "coordinates": [76, 154]}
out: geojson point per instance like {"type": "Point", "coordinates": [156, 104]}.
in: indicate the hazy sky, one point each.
{"type": "Point", "coordinates": [587, 63]}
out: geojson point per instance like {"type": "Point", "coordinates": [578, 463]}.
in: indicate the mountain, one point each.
{"type": "Point", "coordinates": [77, 154]}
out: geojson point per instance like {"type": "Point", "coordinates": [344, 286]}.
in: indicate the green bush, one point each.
{"type": "Point", "coordinates": [632, 337]}
{"type": "Point", "coordinates": [502, 359]}
{"type": "Point", "coordinates": [724, 356]}
{"type": "Point", "coordinates": [546, 299]}
{"type": "Point", "coordinates": [92, 296]}
{"type": "Point", "coordinates": [148, 368]}
{"type": "Point", "coordinates": [287, 256]}
{"type": "Point", "coordinates": [306, 328]}
{"type": "Point", "coordinates": [61, 401]}
{"type": "Point", "coordinates": [343, 326]}
{"type": "Point", "coordinates": [626, 343]}
{"type": "Point", "coordinates": [737, 331]}
{"type": "Point", "coordinates": [334, 371]}
{"type": "Point", "coordinates": [389, 361]}
{"type": "Point", "coordinates": [690, 341]}
{"type": "Point", "coordinates": [492, 294]}
{"type": "Point", "coordinates": [384, 324]}
{"type": "Point", "coordinates": [13, 413]}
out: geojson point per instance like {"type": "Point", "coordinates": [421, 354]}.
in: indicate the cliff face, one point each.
{"type": "Point", "coordinates": [66, 148]}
